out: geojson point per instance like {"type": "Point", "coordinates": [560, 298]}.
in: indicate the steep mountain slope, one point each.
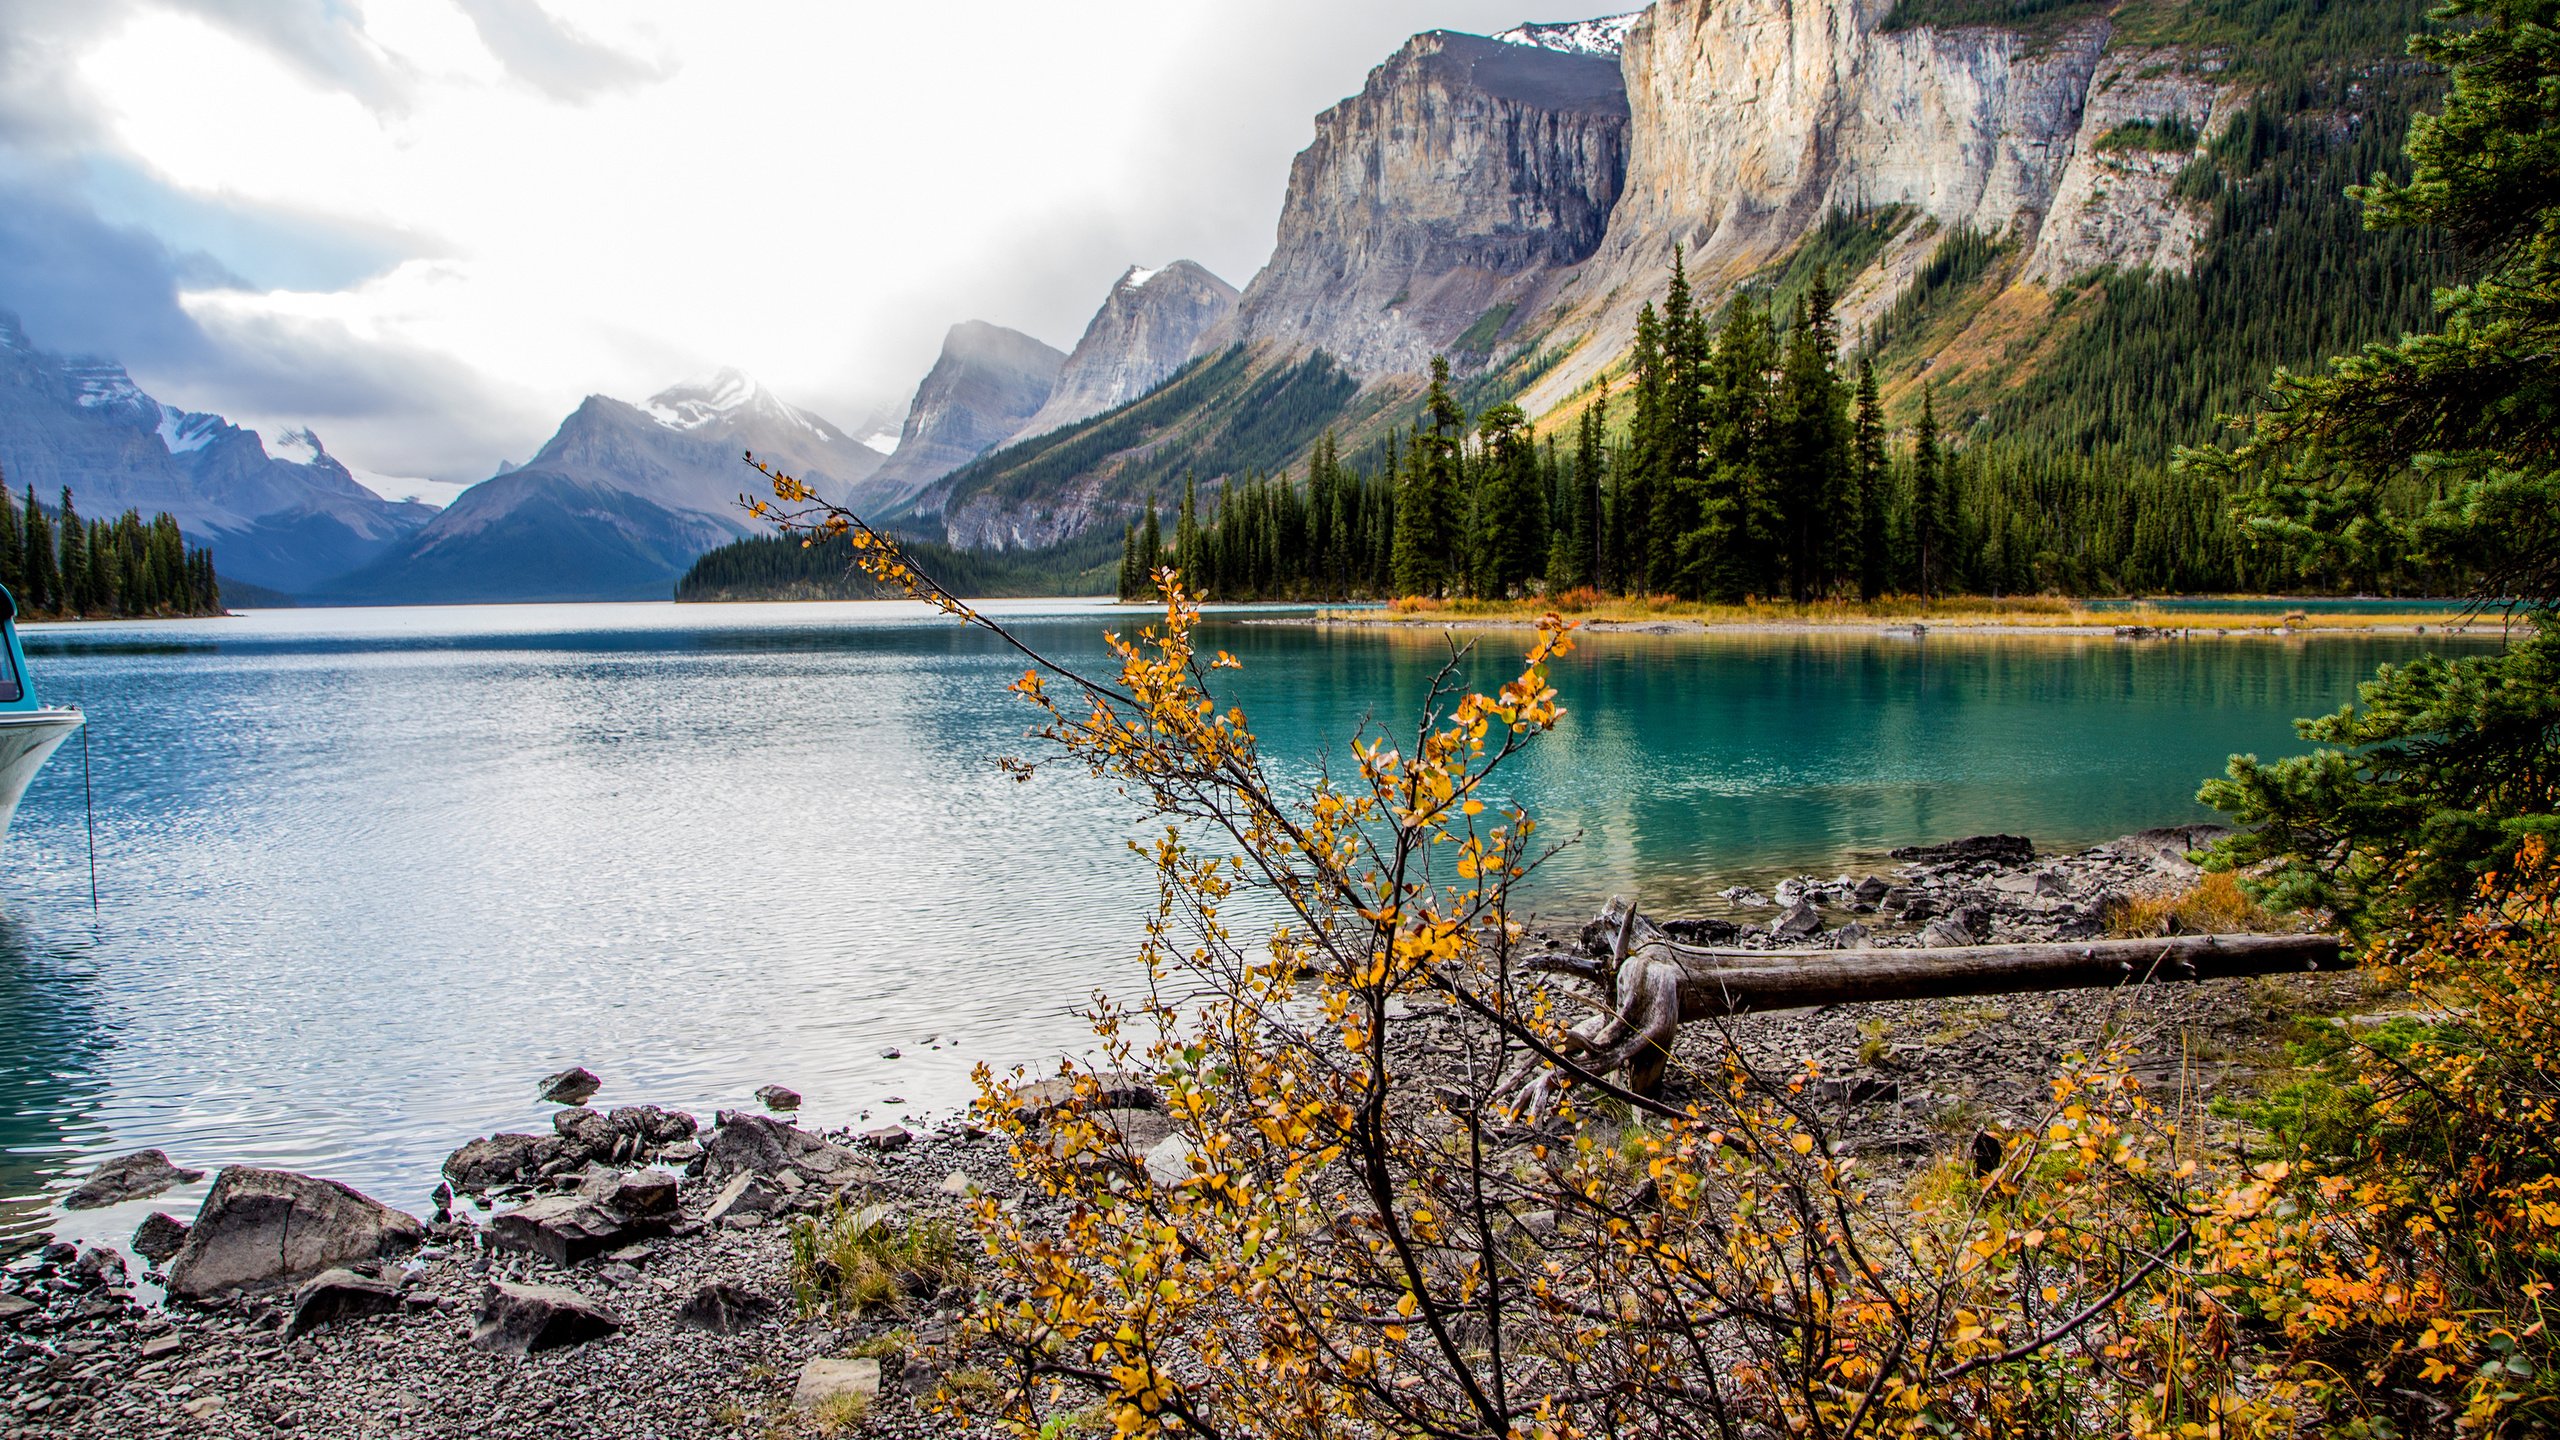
{"type": "Point", "coordinates": [987, 383]}
{"type": "Point", "coordinates": [617, 503]}
{"type": "Point", "coordinates": [1147, 327]}
{"type": "Point", "coordinates": [280, 521]}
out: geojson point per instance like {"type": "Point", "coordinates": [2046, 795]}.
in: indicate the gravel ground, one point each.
{"type": "Point", "coordinates": [83, 1353]}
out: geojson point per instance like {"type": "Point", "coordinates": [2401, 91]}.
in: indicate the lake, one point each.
{"type": "Point", "coordinates": [365, 875]}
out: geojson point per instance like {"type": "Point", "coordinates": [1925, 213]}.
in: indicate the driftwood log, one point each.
{"type": "Point", "coordinates": [1658, 984]}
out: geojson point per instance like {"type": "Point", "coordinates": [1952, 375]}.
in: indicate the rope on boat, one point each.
{"type": "Point", "coordinates": [89, 801]}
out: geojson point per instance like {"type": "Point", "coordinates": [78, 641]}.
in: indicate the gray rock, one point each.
{"type": "Point", "coordinates": [1743, 897]}
{"type": "Point", "coordinates": [755, 1143]}
{"type": "Point", "coordinates": [137, 1176]}
{"type": "Point", "coordinates": [566, 1229]}
{"type": "Point", "coordinates": [588, 1135]}
{"type": "Point", "coordinates": [887, 1137]}
{"type": "Point", "coordinates": [1169, 1163]}
{"type": "Point", "coordinates": [159, 1236]}
{"type": "Point", "coordinates": [653, 1125]}
{"type": "Point", "coordinates": [724, 1308]}
{"type": "Point", "coordinates": [335, 1295]}
{"type": "Point", "coordinates": [1946, 931]}
{"type": "Point", "coordinates": [1871, 891]}
{"type": "Point", "coordinates": [14, 1308]}
{"type": "Point", "coordinates": [745, 1194]}
{"type": "Point", "coordinates": [485, 1164]}
{"type": "Point", "coordinates": [1797, 922]}
{"type": "Point", "coordinates": [823, 1380]}
{"type": "Point", "coordinates": [778, 1097]}
{"type": "Point", "coordinates": [1113, 1089]}
{"type": "Point", "coordinates": [261, 1228]}
{"type": "Point", "coordinates": [573, 1086]}
{"type": "Point", "coordinates": [526, 1319]}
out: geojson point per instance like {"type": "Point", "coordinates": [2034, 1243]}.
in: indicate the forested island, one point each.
{"type": "Point", "coordinates": [63, 567]}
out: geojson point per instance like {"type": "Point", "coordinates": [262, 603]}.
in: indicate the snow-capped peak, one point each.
{"type": "Point", "coordinates": [1139, 275]}
{"type": "Point", "coordinates": [1604, 36]}
{"type": "Point", "coordinates": [700, 402]}
{"type": "Point", "coordinates": [883, 441]}
{"type": "Point", "coordinates": [295, 447]}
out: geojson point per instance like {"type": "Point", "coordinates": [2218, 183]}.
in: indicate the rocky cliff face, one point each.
{"type": "Point", "coordinates": [1751, 118]}
{"type": "Point", "coordinates": [1145, 330]}
{"type": "Point", "coordinates": [283, 520]}
{"type": "Point", "coordinates": [1466, 177]}
{"type": "Point", "coordinates": [987, 384]}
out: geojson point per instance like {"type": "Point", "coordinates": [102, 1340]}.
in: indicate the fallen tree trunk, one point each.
{"type": "Point", "coordinates": [1733, 982]}
{"type": "Point", "coordinates": [1658, 984]}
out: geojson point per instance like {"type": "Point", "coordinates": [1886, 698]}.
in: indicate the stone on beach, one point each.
{"type": "Point", "coordinates": [261, 1228]}
{"type": "Point", "coordinates": [823, 1380]}
{"type": "Point", "coordinates": [487, 1163]}
{"type": "Point", "coordinates": [565, 1229]}
{"type": "Point", "coordinates": [767, 1147]}
{"type": "Point", "coordinates": [159, 1236]}
{"type": "Point", "coordinates": [778, 1097]}
{"type": "Point", "coordinates": [137, 1176]}
{"type": "Point", "coordinates": [1797, 921]}
{"type": "Point", "coordinates": [724, 1308]}
{"type": "Point", "coordinates": [526, 1319]}
{"type": "Point", "coordinates": [335, 1295]}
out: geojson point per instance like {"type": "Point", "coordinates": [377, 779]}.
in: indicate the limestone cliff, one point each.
{"type": "Point", "coordinates": [1751, 118]}
{"type": "Point", "coordinates": [1445, 197]}
{"type": "Point", "coordinates": [1145, 330]}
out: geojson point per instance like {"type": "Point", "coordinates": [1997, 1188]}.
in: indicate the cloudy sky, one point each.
{"type": "Point", "coordinates": [428, 227]}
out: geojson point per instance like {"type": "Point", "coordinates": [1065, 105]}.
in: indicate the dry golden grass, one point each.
{"type": "Point", "coordinates": [2214, 905]}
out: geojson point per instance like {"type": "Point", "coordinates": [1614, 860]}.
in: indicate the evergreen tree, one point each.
{"type": "Point", "coordinates": [13, 574]}
{"type": "Point", "coordinates": [72, 566]}
{"type": "Point", "coordinates": [1428, 502]}
{"type": "Point", "coordinates": [1866, 557]}
{"type": "Point", "coordinates": [1186, 525]}
{"type": "Point", "coordinates": [1929, 538]}
{"type": "Point", "coordinates": [1128, 560]}
{"type": "Point", "coordinates": [1641, 475]}
{"type": "Point", "coordinates": [1151, 556]}
{"type": "Point", "coordinates": [1514, 525]}
{"type": "Point", "coordinates": [41, 593]}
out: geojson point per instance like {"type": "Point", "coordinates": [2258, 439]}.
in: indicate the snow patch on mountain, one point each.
{"type": "Point", "coordinates": [104, 385]}
{"type": "Point", "coordinates": [1604, 36]}
{"type": "Point", "coordinates": [295, 447]}
{"type": "Point", "coordinates": [184, 432]}
{"type": "Point", "coordinates": [1138, 277]}
{"type": "Point", "coordinates": [883, 441]}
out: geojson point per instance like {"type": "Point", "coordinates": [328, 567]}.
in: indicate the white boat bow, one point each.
{"type": "Point", "coordinates": [27, 737]}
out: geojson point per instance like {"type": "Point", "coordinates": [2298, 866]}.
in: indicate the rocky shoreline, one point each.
{"type": "Point", "coordinates": [631, 1274]}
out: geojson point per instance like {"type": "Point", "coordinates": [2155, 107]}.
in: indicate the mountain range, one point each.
{"type": "Point", "coordinates": [1973, 169]}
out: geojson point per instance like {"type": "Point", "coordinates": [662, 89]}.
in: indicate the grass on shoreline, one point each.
{"type": "Point", "coordinates": [2036, 612]}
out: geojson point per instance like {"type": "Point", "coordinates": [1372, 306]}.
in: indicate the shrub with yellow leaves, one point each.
{"type": "Point", "coordinates": [1339, 1239]}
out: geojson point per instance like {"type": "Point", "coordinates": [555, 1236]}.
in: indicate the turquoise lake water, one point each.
{"type": "Point", "coordinates": [365, 875]}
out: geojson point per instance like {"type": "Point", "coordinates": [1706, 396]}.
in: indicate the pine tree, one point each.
{"type": "Point", "coordinates": [1186, 531]}
{"type": "Point", "coordinates": [1151, 556]}
{"type": "Point", "coordinates": [1929, 536]}
{"type": "Point", "coordinates": [43, 589]}
{"type": "Point", "coordinates": [13, 574]}
{"type": "Point", "coordinates": [1868, 478]}
{"type": "Point", "coordinates": [1128, 560]}
{"type": "Point", "coordinates": [73, 563]}
{"type": "Point", "coordinates": [1513, 528]}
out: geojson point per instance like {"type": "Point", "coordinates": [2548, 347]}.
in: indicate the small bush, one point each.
{"type": "Point", "coordinates": [853, 1260]}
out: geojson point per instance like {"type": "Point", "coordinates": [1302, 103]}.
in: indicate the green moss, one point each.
{"type": "Point", "coordinates": [1479, 337]}
{"type": "Point", "coordinates": [2174, 134]}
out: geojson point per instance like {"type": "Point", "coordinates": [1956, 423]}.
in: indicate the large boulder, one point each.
{"type": "Point", "coordinates": [262, 1228]}
{"type": "Point", "coordinates": [763, 1146]}
{"type": "Point", "coordinates": [137, 1176]}
{"type": "Point", "coordinates": [586, 1134]}
{"type": "Point", "coordinates": [523, 1319]}
{"type": "Point", "coordinates": [565, 1229]}
{"type": "Point", "coordinates": [159, 1236]}
{"type": "Point", "coordinates": [653, 1126]}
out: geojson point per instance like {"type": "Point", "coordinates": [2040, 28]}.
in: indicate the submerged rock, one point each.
{"type": "Point", "coordinates": [1796, 922]}
{"type": "Point", "coordinates": [261, 1228]}
{"type": "Point", "coordinates": [1973, 849]}
{"type": "Point", "coordinates": [525, 1319]}
{"type": "Point", "coordinates": [137, 1176]}
{"type": "Point", "coordinates": [778, 1097]}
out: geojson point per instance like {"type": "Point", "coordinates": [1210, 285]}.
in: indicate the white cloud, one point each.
{"type": "Point", "coordinates": [809, 189]}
